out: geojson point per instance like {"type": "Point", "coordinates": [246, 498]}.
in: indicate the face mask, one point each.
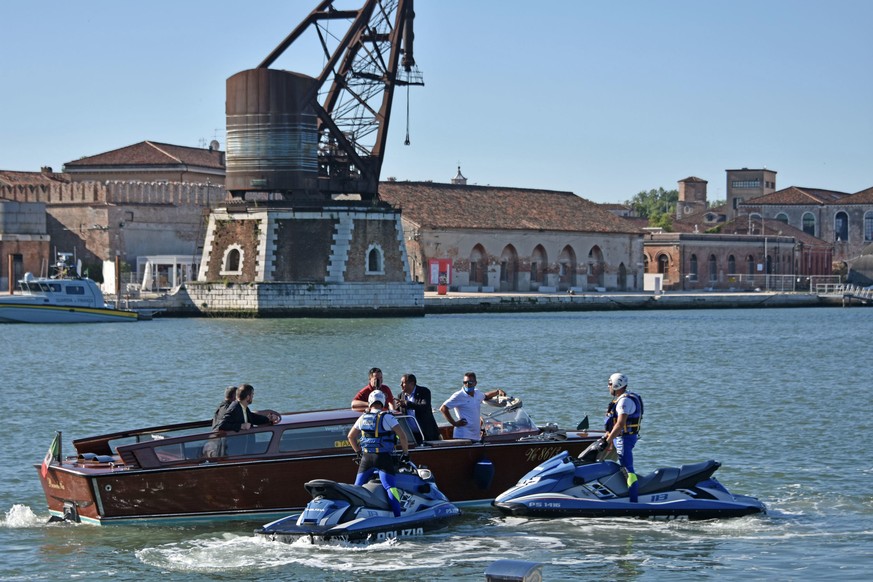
{"type": "Point", "coordinates": [469, 389]}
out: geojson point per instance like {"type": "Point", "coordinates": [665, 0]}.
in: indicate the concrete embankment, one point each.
{"type": "Point", "coordinates": [520, 302]}
{"type": "Point", "coordinates": [178, 305]}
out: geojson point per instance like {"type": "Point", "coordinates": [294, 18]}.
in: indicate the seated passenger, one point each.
{"type": "Point", "coordinates": [229, 398]}
{"type": "Point", "coordinates": [237, 415]}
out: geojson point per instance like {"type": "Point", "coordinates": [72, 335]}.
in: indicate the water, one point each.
{"type": "Point", "coordinates": [779, 396]}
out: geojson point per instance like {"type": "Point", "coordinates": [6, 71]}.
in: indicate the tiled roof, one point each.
{"type": "Point", "coordinates": [434, 205]}
{"type": "Point", "coordinates": [694, 179]}
{"type": "Point", "coordinates": [698, 219]}
{"type": "Point", "coordinates": [9, 178]}
{"type": "Point", "coordinates": [740, 225]}
{"type": "Point", "coordinates": [795, 195]}
{"type": "Point", "coordinates": [150, 153]}
{"type": "Point", "coordinates": [862, 197]}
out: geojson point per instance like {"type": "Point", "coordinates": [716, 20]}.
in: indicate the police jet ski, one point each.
{"type": "Point", "coordinates": [339, 511]}
{"type": "Point", "coordinates": [566, 487]}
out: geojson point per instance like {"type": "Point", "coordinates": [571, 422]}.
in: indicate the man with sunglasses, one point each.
{"type": "Point", "coordinates": [467, 404]}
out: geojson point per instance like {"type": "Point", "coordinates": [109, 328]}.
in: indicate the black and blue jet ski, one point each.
{"type": "Point", "coordinates": [339, 511]}
{"type": "Point", "coordinates": [566, 487]}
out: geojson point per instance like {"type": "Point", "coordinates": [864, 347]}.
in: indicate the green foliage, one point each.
{"type": "Point", "coordinates": [658, 206]}
{"type": "Point", "coordinates": [654, 202]}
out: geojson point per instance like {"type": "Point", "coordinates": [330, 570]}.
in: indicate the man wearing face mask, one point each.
{"type": "Point", "coordinates": [467, 404]}
{"type": "Point", "coordinates": [623, 418]}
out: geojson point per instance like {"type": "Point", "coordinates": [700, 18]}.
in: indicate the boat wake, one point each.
{"type": "Point", "coordinates": [233, 551]}
{"type": "Point", "coordinates": [22, 516]}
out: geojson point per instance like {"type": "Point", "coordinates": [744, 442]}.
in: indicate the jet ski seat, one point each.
{"type": "Point", "coordinates": [370, 495]}
{"type": "Point", "coordinates": [680, 477]}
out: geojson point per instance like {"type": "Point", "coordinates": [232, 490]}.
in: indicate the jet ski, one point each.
{"type": "Point", "coordinates": [339, 511]}
{"type": "Point", "coordinates": [585, 487]}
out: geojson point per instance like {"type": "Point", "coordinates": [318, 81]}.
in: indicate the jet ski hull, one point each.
{"type": "Point", "coordinates": [371, 529]}
{"type": "Point", "coordinates": [693, 509]}
{"type": "Point", "coordinates": [567, 487]}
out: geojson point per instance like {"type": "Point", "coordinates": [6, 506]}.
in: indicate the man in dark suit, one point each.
{"type": "Point", "coordinates": [415, 401]}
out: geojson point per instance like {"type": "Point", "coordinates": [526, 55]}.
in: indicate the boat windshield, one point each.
{"type": "Point", "coordinates": [505, 416]}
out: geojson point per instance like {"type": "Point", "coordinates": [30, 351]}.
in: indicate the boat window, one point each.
{"type": "Point", "coordinates": [55, 287]}
{"type": "Point", "coordinates": [44, 288]}
{"type": "Point", "coordinates": [237, 445]}
{"type": "Point", "coordinates": [315, 437]}
{"type": "Point", "coordinates": [75, 290]}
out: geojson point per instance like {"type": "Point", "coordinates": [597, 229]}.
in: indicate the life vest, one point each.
{"type": "Point", "coordinates": [632, 426]}
{"type": "Point", "coordinates": [375, 439]}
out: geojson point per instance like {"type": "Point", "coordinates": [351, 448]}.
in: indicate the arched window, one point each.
{"type": "Point", "coordinates": [809, 223]}
{"type": "Point", "coordinates": [663, 264]}
{"type": "Point", "coordinates": [782, 217]}
{"type": "Point", "coordinates": [375, 260]}
{"type": "Point", "coordinates": [622, 277]}
{"type": "Point", "coordinates": [750, 262]}
{"type": "Point", "coordinates": [693, 272]}
{"type": "Point", "coordinates": [713, 269]}
{"type": "Point", "coordinates": [232, 262]}
{"type": "Point", "coordinates": [841, 227]}
{"type": "Point", "coordinates": [868, 226]}
{"type": "Point", "coordinates": [732, 264]}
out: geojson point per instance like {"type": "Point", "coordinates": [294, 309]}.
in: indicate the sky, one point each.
{"type": "Point", "coordinates": [603, 99]}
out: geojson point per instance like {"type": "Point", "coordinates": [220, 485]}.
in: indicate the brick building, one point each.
{"type": "Point", "coordinates": [842, 219]}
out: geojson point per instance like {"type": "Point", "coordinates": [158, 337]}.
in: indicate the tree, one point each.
{"type": "Point", "coordinates": [658, 206]}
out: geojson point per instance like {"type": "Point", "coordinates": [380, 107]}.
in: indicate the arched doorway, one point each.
{"type": "Point", "coordinates": [622, 277]}
{"type": "Point", "coordinates": [509, 269]}
{"type": "Point", "coordinates": [478, 266]}
{"type": "Point", "coordinates": [538, 263]}
{"type": "Point", "coordinates": [566, 268]}
{"type": "Point", "coordinates": [596, 267]}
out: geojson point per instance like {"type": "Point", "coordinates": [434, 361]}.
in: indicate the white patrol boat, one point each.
{"type": "Point", "coordinates": [65, 297]}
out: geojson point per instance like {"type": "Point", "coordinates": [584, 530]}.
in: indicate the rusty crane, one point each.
{"type": "Point", "coordinates": [308, 138]}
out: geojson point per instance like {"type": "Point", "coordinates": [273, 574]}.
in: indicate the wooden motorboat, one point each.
{"type": "Point", "coordinates": [184, 472]}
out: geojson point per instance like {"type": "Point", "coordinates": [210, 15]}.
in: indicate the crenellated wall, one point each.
{"type": "Point", "coordinates": [118, 192]}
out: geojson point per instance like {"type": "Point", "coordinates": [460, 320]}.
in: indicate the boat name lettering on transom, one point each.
{"type": "Point", "coordinates": [540, 454]}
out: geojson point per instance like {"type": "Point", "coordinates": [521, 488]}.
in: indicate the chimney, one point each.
{"type": "Point", "coordinates": [46, 170]}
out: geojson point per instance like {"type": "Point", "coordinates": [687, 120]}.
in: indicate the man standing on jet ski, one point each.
{"type": "Point", "coordinates": [374, 438]}
{"type": "Point", "coordinates": [623, 418]}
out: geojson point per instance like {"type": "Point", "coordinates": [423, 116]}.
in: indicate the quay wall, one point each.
{"type": "Point", "coordinates": [276, 299]}
{"type": "Point", "coordinates": [398, 299]}
{"type": "Point", "coordinates": [615, 302]}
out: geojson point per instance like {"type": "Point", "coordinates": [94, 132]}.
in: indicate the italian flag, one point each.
{"type": "Point", "coordinates": [53, 454]}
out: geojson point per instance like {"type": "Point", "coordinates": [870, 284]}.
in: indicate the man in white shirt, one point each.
{"type": "Point", "coordinates": [467, 404]}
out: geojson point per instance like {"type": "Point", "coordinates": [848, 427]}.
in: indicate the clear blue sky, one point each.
{"type": "Point", "coordinates": [603, 99]}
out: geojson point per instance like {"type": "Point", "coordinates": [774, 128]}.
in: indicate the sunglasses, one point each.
{"type": "Point", "coordinates": [468, 382]}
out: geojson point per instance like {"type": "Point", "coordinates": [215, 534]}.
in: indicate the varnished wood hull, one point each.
{"type": "Point", "coordinates": [264, 488]}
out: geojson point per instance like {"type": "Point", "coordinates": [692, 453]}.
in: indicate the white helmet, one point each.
{"type": "Point", "coordinates": [377, 396]}
{"type": "Point", "coordinates": [617, 381]}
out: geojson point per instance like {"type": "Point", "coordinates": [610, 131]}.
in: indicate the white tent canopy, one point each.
{"type": "Point", "coordinates": [165, 271]}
